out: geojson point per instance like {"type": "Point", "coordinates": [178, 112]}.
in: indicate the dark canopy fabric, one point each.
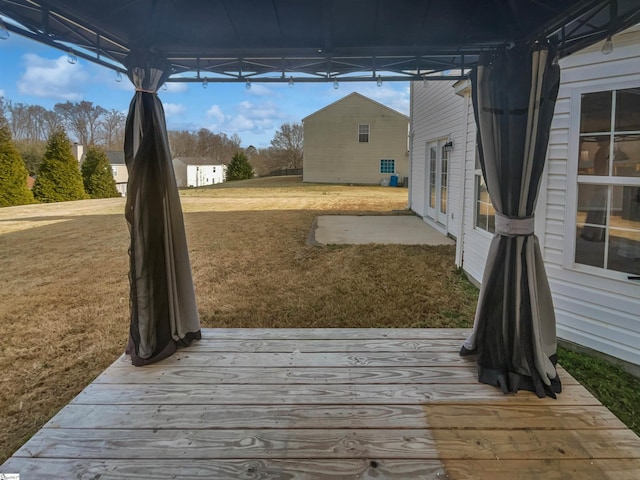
{"type": "Point", "coordinates": [514, 336]}
{"type": "Point", "coordinates": [162, 297]}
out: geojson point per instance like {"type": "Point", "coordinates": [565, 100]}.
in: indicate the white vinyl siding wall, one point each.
{"type": "Point", "coordinates": [592, 309]}
{"type": "Point", "coordinates": [437, 113]}
{"type": "Point", "coordinates": [475, 244]}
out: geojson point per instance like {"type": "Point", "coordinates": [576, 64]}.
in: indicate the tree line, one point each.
{"type": "Point", "coordinates": [59, 177]}
{"type": "Point", "coordinates": [89, 124]}
{"type": "Point", "coordinates": [32, 125]}
{"type": "Point", "coordinates": [284, 152]}
{"type": "Point", "coordinates": [28, 130]}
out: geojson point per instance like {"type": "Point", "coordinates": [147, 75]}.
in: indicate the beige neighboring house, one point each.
{"type": "Point", "coordinates": [118, 167]}
{"type": "Point", "coordinates": [355, 140]}
{"type": "Point", "coordinates": [197, 172]}
{"type": "Point", "coordinates": [119, 170]}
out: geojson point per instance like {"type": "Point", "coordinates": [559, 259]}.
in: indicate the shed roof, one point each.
{"type": "Point", "coordinates": [312, 40]}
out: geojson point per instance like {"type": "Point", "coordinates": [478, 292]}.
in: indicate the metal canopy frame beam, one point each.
{"type": "Point", "coordinates": [587, 23]}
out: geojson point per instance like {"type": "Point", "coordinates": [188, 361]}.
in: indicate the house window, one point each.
{"type": "Point", "coordinates": [114, 170]}
{"type": "Point", "coordinates": [387, 166]}
{"type": "Point", "coordinates": [608, 208]}
{"type": "Point", "coordinates": [485, 213]}
{"type": "Point", "coordinates": [363, 133]}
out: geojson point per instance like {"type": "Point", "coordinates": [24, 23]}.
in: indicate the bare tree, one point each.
{"type": "Point", "coordinates": [82, 120]}
{"type": "Point", "coordinates": [182, 143]}
{"type": "Point", "coordinates": [287, 145]}
{"type": "Point", "coordinates": [217, 147]}
{"type": "Point", "coordinates": [51, 122]}
{"type": "Point", "coordinates": [263, 160]}
{"type": "Point", "coordinates": [112, 129]}
{"type": "Point", "coordinates": [18, 119]}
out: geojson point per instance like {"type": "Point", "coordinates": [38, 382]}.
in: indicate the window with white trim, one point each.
{"type": "Point", "coordinates": [608, 207]}
{"type": "Point", "coordinates": [363, 133]}
{"type": "Point", "coordinates": [485, 213]}
{"type": "Point", "coordinates": [387, 166]}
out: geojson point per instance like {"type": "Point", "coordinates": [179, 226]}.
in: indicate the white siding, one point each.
{"type": "Point", "coordinates": [475, 242]}
{"type": "Point", "coordinates": [201, 175]}
{"type": "Point", "coordinates": [437, 114]}
{"type": "Point", "coordinates": [591, 309]}
{"type": "Point", "coordinates": [332, 152]}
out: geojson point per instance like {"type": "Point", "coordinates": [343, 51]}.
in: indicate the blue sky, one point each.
{"type": "Point", "coordinates": [37, 74]}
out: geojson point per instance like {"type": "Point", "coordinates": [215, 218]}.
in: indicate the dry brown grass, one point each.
{"type": "Point", "coordinates": [63, 271]}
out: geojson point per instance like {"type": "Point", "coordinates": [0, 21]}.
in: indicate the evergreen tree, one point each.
{"type": "Point", "coordinates": [13, 173]}
{"type": "Point", "coordinates": [58, 177]}
{"type": "Point", "coordinates": [97, 175]}
{"type": "Point", "coordinates": [239, 167]}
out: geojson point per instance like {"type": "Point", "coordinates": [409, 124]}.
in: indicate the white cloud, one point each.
{"type": "Point", "coordinates": [176, 87]}
{"type": "Point", "coordinates": [174, 109]}
{"type": "Point", "coordinates": [260, 90]}
{"type": "Point", "coordinates": [240, 123]}
{"type": "Point", "coordinates": [393, 97]}
{"type": "Point", "coordinates": [57, 79]}
{"type": "Point", "coordinates": [1, 93]}
{"type": "Point", "coordinates": [246, 117]}
{"type": "Point", "coordinates": [216, 113]}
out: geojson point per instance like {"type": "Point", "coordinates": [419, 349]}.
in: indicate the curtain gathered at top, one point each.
{"type": "Point", "coordinates": [162, 298]}
{"type": "Point", "coordinates": [514, 333]}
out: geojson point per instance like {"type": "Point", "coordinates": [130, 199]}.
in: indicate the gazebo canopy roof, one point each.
{"type": "Point", "coordinates": [312, 40]}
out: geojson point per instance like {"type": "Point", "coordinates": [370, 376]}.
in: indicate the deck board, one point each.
{"type": "Point", "coordinates": [324, 404]}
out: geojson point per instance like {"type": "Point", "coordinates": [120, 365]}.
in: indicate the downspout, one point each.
{"type": "Point", "coordinates": [460, 237]}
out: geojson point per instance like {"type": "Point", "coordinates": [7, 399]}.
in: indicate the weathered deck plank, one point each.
{"type": "Point", "coordinates": [468, 416]}
{"type": "Point", "coordinates": [191, 358]}
{"type": "Point", "coordinates": [323, 346]}
{"type": "Point", "coordinates": [279, 469]}
{"type": "Point", "coordinates": [121, 373]}
{"type": "Point", "coordinates": [332, 443]}
{"type": "Point", "coordinates": [334, 469]}
{"type": "Point", "coordinates": [160, 394]}
{"type": "Point", "coordinates": [358, 334]}
{"type": "Point", "coordinates": [324, 404]}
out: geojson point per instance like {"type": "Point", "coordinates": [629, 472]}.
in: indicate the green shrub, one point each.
{"type": "Point", "coordinates": [13, 173]}
{"type": "Point", "coordinates": [97, 175]}
{"type": "Point", "coordinates": [239, 168]}
{"type": "Point", "coordinates": [58, 177]}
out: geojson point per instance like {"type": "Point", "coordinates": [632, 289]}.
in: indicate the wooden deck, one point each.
{"type": "Point", "coordinates": [324, 404]}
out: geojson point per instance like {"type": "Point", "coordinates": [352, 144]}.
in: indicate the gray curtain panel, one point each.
{"type": "Point", "coordinates": [514, 333]}
{"type": "Point", "coordinates": [162, 298]}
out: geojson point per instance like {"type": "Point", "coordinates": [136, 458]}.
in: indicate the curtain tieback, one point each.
{"type": "Point", "coordinates": [512, 227]}
{"type": "Point", "coordinates": [145, 91]}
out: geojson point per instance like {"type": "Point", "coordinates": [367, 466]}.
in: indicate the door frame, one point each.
{"type": "Point", "coordinates": [433, 211]}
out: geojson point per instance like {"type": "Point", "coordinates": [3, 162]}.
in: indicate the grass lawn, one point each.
{"type": "Point", "coordinates": [63, 271]}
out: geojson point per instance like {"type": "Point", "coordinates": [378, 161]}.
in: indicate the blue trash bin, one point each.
{"type": "Point", "coordinates": [393, 181]}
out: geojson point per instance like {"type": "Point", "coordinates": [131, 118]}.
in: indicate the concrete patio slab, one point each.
{"type": "Point", "coordinates": [382, 229]}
